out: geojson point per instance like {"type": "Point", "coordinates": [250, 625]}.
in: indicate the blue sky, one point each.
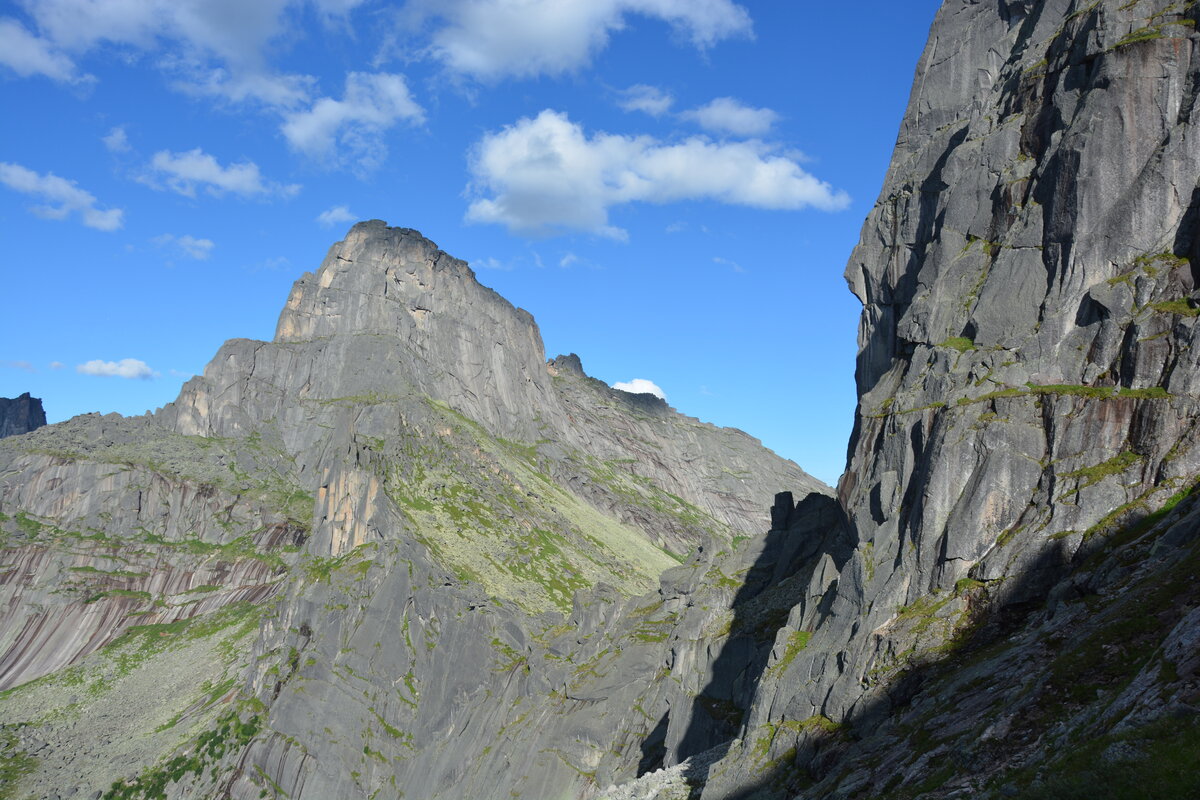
{"type": "Point", "coordinates": [671, 187]}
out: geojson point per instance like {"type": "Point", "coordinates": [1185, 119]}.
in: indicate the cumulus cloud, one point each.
{"type": "Point", "coordinates": [640, 386]}
{"type": "Point", "coordinates": [61, 197]}
{"type": "Point", "coordinates": [370, 105]}
{"type": "Point", "coordinates": [647, 99]}
{"type": "Point", "coordinates": [491, 39]}
{"type": "Point", "coordinates": [26, 54]}
{"type": "Point", "coordinates": [544, 175]}
{"type": "Point", "coordinates": [338, 215]}
{"type": "Point", "coordinates": [125, 368]}
{"type": "Point", "coordinates": [190, 246]}
{"type": "Point", "coordinates": [728, 115]}
{"type": "Point", "coordinates": [116, 141]}
{"type": "Point", "coordinates": [183, 172]}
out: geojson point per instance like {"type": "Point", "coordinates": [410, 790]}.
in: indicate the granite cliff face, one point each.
{"type": "Point", "coordinates": [20, 414]}
{"type": "Point", "coordinates": [1019, 485]}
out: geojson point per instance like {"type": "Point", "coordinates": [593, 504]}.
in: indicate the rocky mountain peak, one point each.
{"type": "Point", "coordinates": [394, 281]}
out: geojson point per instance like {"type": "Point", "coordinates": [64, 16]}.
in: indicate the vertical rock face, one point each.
{"type": "Point", "coordinates": [20, 414]}
{"type": "Point", "coordinates": [1028, 370]}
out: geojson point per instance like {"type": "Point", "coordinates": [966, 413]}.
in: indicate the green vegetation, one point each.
{"type": "Point", "coordinates": [796, 642]}
{"type": "Point", "coordinates": [1089, 476]}
{"type": "Point", "coordinates": [230, 735]}
{"type": "Point", "coordinates": [14, 763]}
{"type": "Point", "coordinates": [1149, 33]}
{"type": "Point", "coordinates": [960, 343]}
{"type": "Point", "coordinates": [1181, 307]}
{"type": "Point", "coordinates": [1161, 763]}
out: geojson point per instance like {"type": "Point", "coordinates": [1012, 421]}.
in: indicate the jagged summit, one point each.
{"type": "Point", "coordinates": [394, 281]}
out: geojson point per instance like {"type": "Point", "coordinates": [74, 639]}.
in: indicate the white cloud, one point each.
{"type": "Point", "coordinates": [62, 197]}
{"type": "Point", "coordinates": [727, 115]}
{"type": "Point", "coordinates": [28, 55]}
{"type": "Point", "coordinates": [490, 39]}
{"type": "Point", "coordinates": [199, 249]}
{"type": "Point", "coordinates": [567, 260]}
{"type": "Point", "coordinates": [183, 172]}
{"type": "Point", "coordinates": [543, 175]}
{"type": "Point", "coordinates": [216, 46]}
{"type": "Point", "coordinates": [57, 365]}
{"type": "Point", "coordinates": [641, 386]}
{"type": "Point", "coordinates": [338, 215]}
{"type": "Point", "coordinates": [492, 263]}
{"type": "Point", "coordinates": [22, 365]}
{"type": "Point", "coordinates": [125, 368]}
{"type": "Point", "coordinates": [371, 104]}
{"type": "Point", "coordinates": [648, 99]}
{"type": "Point", "coordinates": [735, 266]}
{"type": "Point", "coordinates": [116, 141]}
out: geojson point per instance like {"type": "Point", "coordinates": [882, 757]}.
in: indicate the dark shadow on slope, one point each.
{"type": "Point", "coordinates": [1043, 583]}
{"type": "Point", "coordinates": [776, 582]}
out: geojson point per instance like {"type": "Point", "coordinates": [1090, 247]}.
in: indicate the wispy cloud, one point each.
{"type": "Point", "coordinates": [188, 245]}
{"type": "Point", "coordinates": [544, 175]}
{"type": "Point", "coordinates": [28, 55]}
{"type": "Point", "coordinates": [647, 99]}
{"type": "Point", "coordinates": [728, 115]}
{"type": "Point", "coordinates": [185, 172]}
{"type": "Point", "coordinates": [116, 141]}
{"type": "Point", "coordinates": [492, 39]}
{"type": "Point", "coordinates": [338, 215]}
{"type": "Point", "coordinates": [21, 365]}
{"type": "Point", "coordinates": [211, 48]}
{"type": "Point", "coordinates": [492, 263]}
{"type": "Point", "coordinates": [735, 266]}
{"type": "Point", "coordinates": [351, 130]}
{"type": "Point", "coordinates": [125, 368]}
{"type": "Point", "coordinates": [62, 197]}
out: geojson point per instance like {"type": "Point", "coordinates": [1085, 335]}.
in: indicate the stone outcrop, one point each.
{"type": "Point", "coordinates": [20, 414]}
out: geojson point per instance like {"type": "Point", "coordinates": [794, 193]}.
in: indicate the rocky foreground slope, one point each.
{"type": "Point", "coordinates": [338, 565]}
